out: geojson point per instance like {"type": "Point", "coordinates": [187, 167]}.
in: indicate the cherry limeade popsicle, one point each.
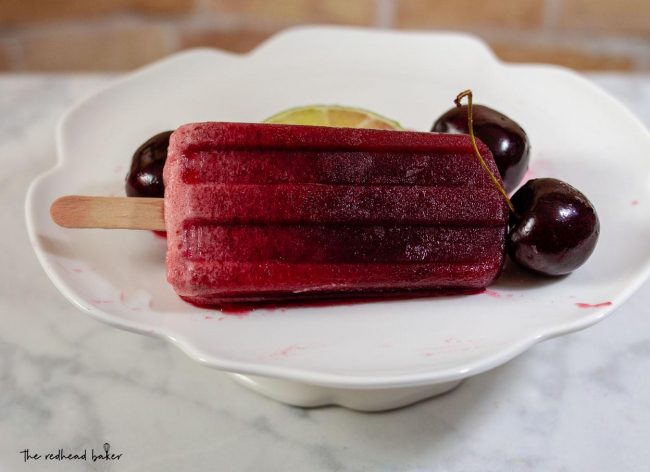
{"type": "Point", "coordinates": [261, 212]}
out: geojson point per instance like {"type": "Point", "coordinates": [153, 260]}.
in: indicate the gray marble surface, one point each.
{"type": "Point", "coordinates": [576, 403]}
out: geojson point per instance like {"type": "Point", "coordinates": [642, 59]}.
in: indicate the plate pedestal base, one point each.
{"type": "Point", "coordinates": [309, 396]}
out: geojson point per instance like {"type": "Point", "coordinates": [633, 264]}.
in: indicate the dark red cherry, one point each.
{"type": "Point", "coordinates": [145, 175]}
{"type": "Point", "coordinates": [505, 138]}
{"type": "Point", "coordinates": [556, 229]}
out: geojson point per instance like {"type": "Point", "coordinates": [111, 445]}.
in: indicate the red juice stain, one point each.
{"type": "Point", "coordinates": [237, 311]}
{"type": "Point", "coordinates": [492, 293]}
{"type": "Point", "coordinates": [243, 309]}
{"type": "Point", "coordinates": [160, 234]}
{"type": "Point", "coordinates": [634, 202]}
{"type": "Point", "coordinates": [77, 269]}
{"type": "Point", "coordinates": [288, 350]}
{"type": "Point", "coordinates": [593, 305]}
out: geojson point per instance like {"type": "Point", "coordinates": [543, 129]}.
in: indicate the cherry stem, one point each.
{"type": "Point", "coordinates": [470, 126]}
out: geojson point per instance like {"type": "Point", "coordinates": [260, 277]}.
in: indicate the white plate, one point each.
{"type": "Point", "coordinates": [578, 134]}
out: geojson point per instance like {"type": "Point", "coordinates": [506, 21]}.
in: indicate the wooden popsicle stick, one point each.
{"type": "Point", "coordinates": [76, 211]}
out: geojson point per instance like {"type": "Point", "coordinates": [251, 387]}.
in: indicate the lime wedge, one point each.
{"type": "Point", "coordinates": [333, 115]}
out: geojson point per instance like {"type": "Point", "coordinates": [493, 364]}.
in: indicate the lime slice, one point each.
{"type": "Point", "coordinates": [333, 115]}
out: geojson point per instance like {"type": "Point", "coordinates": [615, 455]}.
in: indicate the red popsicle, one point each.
{"type": "Point", "coordinates": [258, 212]}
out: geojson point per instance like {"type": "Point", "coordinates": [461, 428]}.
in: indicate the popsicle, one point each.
{"type": "Point", "coordinates": [260, 212]}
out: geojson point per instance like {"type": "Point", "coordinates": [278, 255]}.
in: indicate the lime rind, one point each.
{"type": "Point", "coordinates": [333, 115]}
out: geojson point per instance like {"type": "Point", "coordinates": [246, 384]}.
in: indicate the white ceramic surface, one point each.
{"type": "Point", "coordinates": [578, 134]}
{"type": "Point", "coordinates": [374, 399]}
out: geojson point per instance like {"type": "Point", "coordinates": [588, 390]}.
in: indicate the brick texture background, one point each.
{"type": "Point", "coordinates": [110, 35]}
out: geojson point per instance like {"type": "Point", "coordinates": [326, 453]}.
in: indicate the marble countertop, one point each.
{"type": "Point", "coordinates": [579, 402]}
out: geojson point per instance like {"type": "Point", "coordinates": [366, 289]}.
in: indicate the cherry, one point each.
{"type": "Point", "coordinates": [555, 227]}
{"type": "Point", "coordinates": [145, 175]}
{"type": "Point", "coordinates": [505, 138]}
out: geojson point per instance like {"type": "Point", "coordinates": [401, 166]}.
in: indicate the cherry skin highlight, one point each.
{"type": "Point", "coordinates": [145, 175]}
{"type": "Point", "coordinates": [504, 137]}
{"type": "Point", "coordinates": [556, 227]}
